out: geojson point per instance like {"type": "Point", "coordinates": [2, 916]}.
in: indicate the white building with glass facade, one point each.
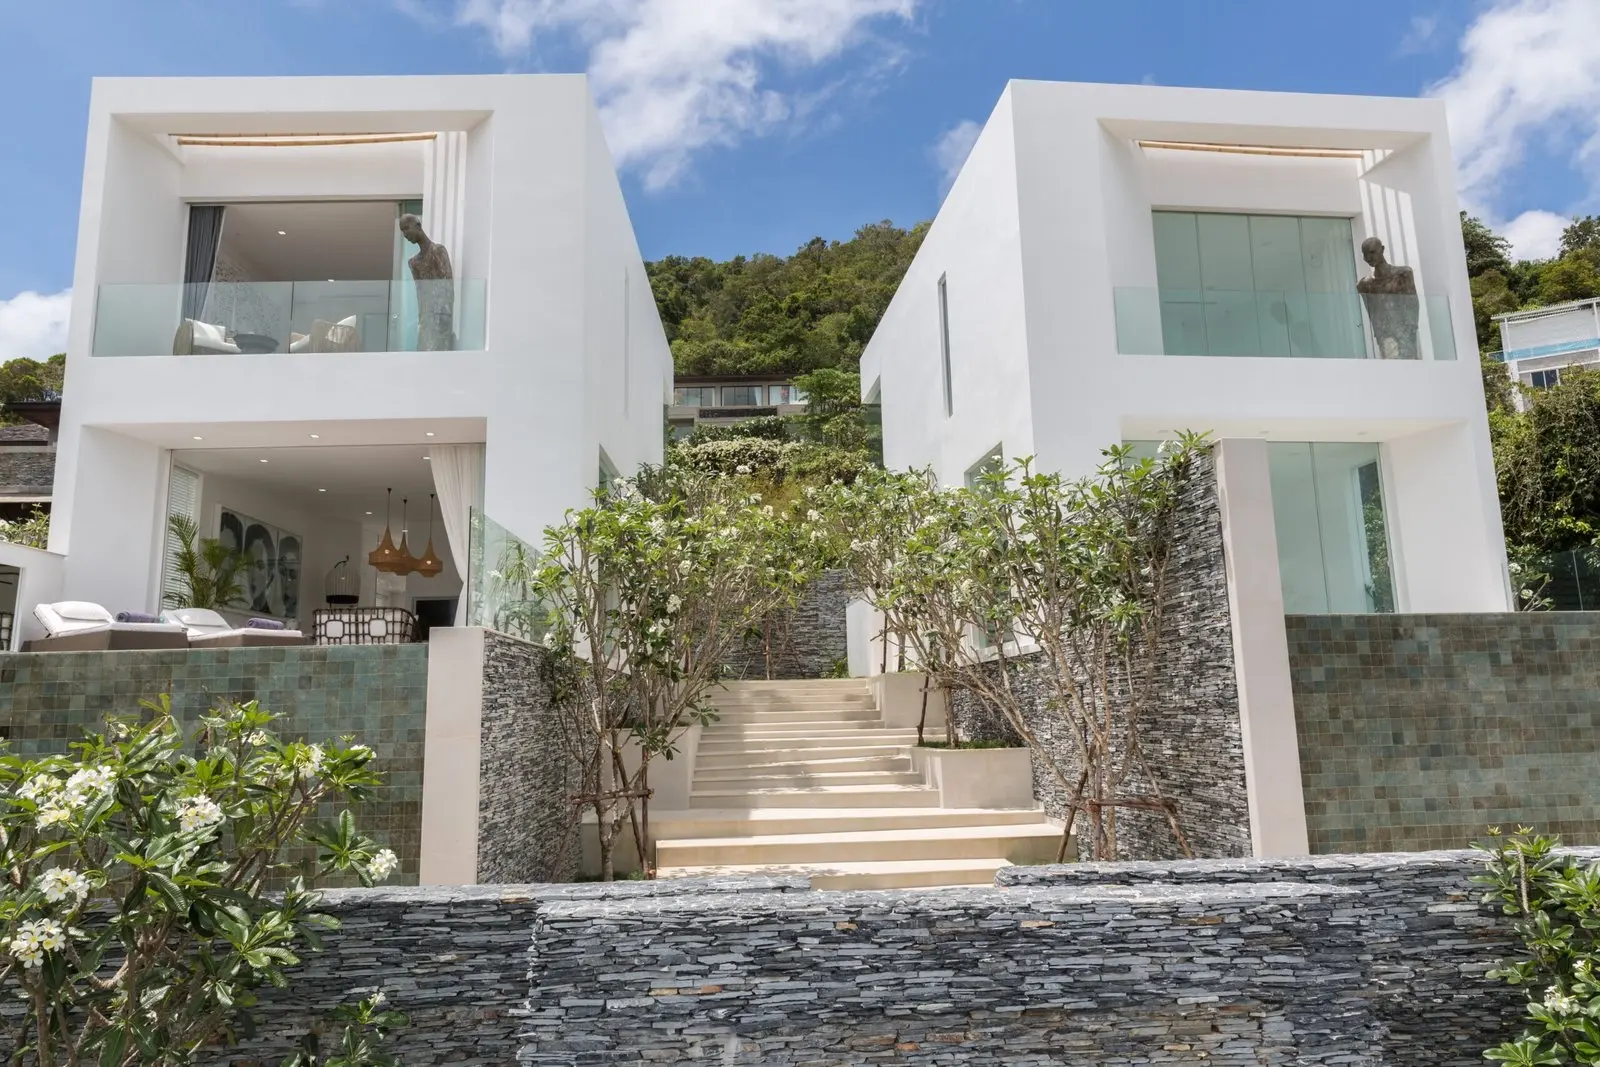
{"type": "Point", "coordinates": [1117, 263]}
{"type": "Point", "coordinates": [1538, 344]}
{"type": "Point", "coordinates": [249, 346]}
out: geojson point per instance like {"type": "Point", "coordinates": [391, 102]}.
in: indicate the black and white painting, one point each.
{"type": "Point", "coordinates": [269, 577]}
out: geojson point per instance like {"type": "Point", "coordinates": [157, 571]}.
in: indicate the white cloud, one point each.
{"type": "Point", "coordinates": [1534, 234]}
{"type": "Point", "coordinates": [950, 151]}
{"type": "Point", "coordinates": [675, 76]}
{"type": "Point", "coordinates": [1529, 72]}
{"type": "Point", "coordinates": [1419, 35]}
{"type": "Point", "coordinates": [34, 325]}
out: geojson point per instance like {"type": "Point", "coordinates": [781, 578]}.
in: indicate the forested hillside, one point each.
{"type": "Point", "coordinates": [767, 314]}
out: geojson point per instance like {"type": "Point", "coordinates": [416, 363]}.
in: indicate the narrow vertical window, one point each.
{"type": "Point", "coordinates": [944, 343]}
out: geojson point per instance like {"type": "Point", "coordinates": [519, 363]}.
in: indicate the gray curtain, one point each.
{"type": "Point", "coordinates": [200, 261]}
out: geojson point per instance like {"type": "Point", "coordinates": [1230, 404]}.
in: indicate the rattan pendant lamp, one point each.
{"type": "Point", "coordinates": [386, 557]}
{"type": "Point", "coordinates": [430, 564]}
{"type": "Point", "coordinates": [405, 562]}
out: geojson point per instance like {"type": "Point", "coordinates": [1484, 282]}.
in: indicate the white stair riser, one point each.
{"type": "Point", "coordinates": [745, 755]}
{"type": "Point", "coordinates": [844, 739]}
{"type": "Point", "coordinates": [773, 718]}
{"type": "Point", "coordinates": [787, 764]}
{"type": "Point", "coordinates": [897, 798]}
{"type": "Point", "coordinates": [1020, 849]}
{"type": "Point", "coordinates": [845, 822]}
{"type": "Point", "coordinates": [793, 781]}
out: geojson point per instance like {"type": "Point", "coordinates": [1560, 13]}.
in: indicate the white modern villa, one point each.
{"type": "Point", "coordinates": [1538, 344]}
{"type": "Point", "coordinates": [249, 347]}
{"type": "Point", "coordinates": [1119, 262]}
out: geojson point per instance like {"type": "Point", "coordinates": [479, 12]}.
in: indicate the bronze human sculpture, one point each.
{"type": "Point", "coordinates": [1390, 296]}
{"type": "Point", "coordinates": [436, 293]}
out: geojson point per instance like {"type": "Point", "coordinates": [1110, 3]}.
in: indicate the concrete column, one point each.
{"type": "Point", "coordinates": [452, 742]}
{"type": "Point", "coordinates": [1261, 651]}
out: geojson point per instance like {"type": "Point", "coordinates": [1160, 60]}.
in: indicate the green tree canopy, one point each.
{"type": "Point", "coordinates": [764, 314]}
{"type": "Point", "coordinates": [23, 379]}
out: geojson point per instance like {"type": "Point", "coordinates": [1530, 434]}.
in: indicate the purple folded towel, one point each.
{"type": "Point", "coordinates": [264, 624]}
{"type": "Point", "coordinates": [135, 616]}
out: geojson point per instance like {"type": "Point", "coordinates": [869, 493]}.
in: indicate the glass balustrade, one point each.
{"type": "Point", "coordinates": [500, 581]}
{"type": "Point", "coordinates": [1292, 323]}
{"type": "Point", "coordinates": [260, 318]}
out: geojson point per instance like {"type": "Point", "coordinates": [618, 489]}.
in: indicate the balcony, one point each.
{"type": "Point", "coordinates": [264, 318]}
{"type": "Point", "coordinates": [1281, 324]}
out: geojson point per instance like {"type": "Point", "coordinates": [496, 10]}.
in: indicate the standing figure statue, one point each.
{"type": "Point", "coordinates": [1390, 296]}
{"type": "Point", "coordinates": [436, 291]}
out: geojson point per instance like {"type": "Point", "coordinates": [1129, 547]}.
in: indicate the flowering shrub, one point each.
{"type": "Point", "coordinates": [133, 913]}
{"type": "Point", "coordinates": [32, 532]}
{"type": "Point", "coordinates": [648, 591]}
{"type": "Point", "coordinates": [1555, 904]}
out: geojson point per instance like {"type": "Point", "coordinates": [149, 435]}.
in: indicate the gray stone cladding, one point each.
{"type": "Point", "coordinates": [1192, 734]}
{"type": "Point", "coordinates": [808, 641]}
{"type": "Point", "coordinates": [527, 823]}
{"type": "Point", "coordinates": [1417, 731]}
{"type": "Point", "coordinates": [1351, 960]}
{"type": "Point", "coordinates": [27, 470]}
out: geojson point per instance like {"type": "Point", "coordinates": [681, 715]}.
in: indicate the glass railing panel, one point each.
{"type": "Point", "coordinates": [1281, 324]}
{"type": "Point", "coordinates": [259, 318]}
{"type": "Point", "coordinates": [500, 581]}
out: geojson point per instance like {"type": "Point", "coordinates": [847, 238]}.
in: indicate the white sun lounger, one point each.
{"type": "Point", "coordinates": [80, 626]}
{"type": "Point", "coordinates": [207, 629]}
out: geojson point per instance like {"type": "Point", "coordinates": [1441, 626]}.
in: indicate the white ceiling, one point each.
{"type": "Point", "coordinates": [344, 240]}
{"type": "Point", "coordinates": [341, 483]}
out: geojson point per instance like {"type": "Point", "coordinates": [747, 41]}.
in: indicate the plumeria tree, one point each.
{"type": "Point", "coordinates": [647, 593]}
{"type": "Point", "coordinates": [1072, 572]}
{"type": "Point", "coordinates": [135, 910]}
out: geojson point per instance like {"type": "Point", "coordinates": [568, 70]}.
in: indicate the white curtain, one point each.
{"type": "Point", "coordinates": [458, 479]}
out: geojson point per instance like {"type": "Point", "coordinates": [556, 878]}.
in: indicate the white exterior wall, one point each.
{"type": "Point", "coordinates": [541, 220]}
{"type": "Point", "coordinates": [1057, 165]}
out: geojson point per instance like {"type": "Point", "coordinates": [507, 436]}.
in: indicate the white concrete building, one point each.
{"type": "Point", "coordinates": [1538, 344]}
{"type": "Point", "coordinates": [1115, 263]}
{"type": "Point", "coordinates": [245, 345]}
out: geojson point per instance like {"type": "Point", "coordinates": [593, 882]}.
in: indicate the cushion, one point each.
{"type": "Point", "coordinates": [194, 336]}
{"type": "Point", "coordinates": [341, 336]}
{"type": "Point", "coordinates": [136, 616]}
{"type": "Point", "coordinates": [196, 619]}
{"type": "Point", "coordinates": [81, 611]}
{"type": "Point", "coordinates": [264, 624]}
{"type": "Point", "coordinates": [299, 342]}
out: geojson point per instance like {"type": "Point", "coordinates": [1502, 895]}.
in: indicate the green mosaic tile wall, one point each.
{"type": "Point", "coordinates": [376, 692]}
{"type": "Point", "coordinates": [1418, 731]}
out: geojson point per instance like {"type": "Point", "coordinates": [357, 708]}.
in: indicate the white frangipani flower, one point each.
{"type": "Point", "coordinates": [33, 939]}
{"type": "Point", "coordinates": [382, 865]}
{"type": "Point", "coordinates": [307, 760]}
{"type": "Point", "coordinates": [58, 883]}
{"type": "Point", "coordinates": [674, 602]}
{"type": "Point", "coordinates": [198, 813]}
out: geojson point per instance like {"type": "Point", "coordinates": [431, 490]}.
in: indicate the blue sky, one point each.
{"type": "Point", "coordinates": [786, 119]}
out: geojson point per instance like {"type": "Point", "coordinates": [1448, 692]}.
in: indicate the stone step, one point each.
{"type": "Point", "coordinates": [757, 751]}
{"type": "Point", "coordinates": [792, 685]}
{"type": "Point", "coordinates": [876, 874]}
{"type": "Point", "coordinates": [803, 715]}
{"type": "Point", "coordinates": [722, 779]}
{"type": "Point", "coordinates": [822, 796]}
{"type": "Point", "coordinates": [819, 739]}
{"type": "Point", "coordinates": [788, 763]}
{"type": "Point", "coordinates": [771, 707]}
{"type": "Point", "coordinates": [1019, 843]}
{"type": "Point", "coordinates": [786, 732]}
{"type": "Point", "coordinates": [733, 822]}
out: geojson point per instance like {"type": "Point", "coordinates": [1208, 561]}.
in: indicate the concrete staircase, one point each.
{"type": "Point", "coordinates": [803, 778]}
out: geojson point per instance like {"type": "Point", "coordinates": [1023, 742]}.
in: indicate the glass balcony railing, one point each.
{"type": "Point", "coordinates": [1222, 322]}
{"type": "Point", "coordinates": [500, 581]}
{"type": "Point", "coordinates": [257, 318]}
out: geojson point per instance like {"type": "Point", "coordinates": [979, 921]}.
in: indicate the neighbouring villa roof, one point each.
{"type": "Point", "coordinates": [27, 433]}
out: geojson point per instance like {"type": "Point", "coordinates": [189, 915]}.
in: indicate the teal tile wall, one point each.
{"type": "Point", "coordinates": [378, 693]}
{"type": "Point", "coordinates": [1418, 731]}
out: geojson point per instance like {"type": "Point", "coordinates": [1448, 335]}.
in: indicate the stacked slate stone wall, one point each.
{"type": "Point", "coordinates": [808, 642]}
{"type": "Point", "coordinates": [378, 693]}
{"type": "Point", "coordinates": [1376, 960]}
{"type": "Point", "coordinates": [1191, 733]}
{"type": "Point", "coordinates": [527, 823]}
{"type": "Point", "coordinates": [1418, 731]}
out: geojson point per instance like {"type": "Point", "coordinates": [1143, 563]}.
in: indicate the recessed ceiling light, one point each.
{"type": "Point", "coordinates": [322, 490]}
{"type": "Point", "coordinates": [429, 433]}
{"type": "Point", "coordinates": [197, 437]}
{"type": "Point", "coordinates": [263, 461]}
{"type": "Point", "coordinates": [316, 437]}
{"type": "Point", "coordinates": [426, 458]}
{"type": "Point", "coordinates": [369, 513]}
{"type": "Point", "coordinates": [283, 233]}
{"type": "Point", "coordinates": [330, 279]}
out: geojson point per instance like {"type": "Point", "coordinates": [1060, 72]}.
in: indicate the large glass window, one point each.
{"type": "Point", "coordinates": [741, 396]}
{"type": "Point", "coordinates": [1257, 285]}
{"type": "Point", "coordinates": [1333, 536]}
{"type": "Point", "coordinates": [697, 396]}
